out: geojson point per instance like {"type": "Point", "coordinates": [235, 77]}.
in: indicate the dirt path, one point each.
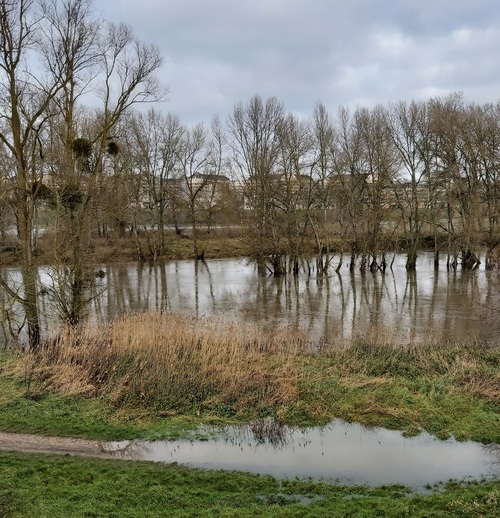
{"type": "Point", "coordinates": [55, 445]}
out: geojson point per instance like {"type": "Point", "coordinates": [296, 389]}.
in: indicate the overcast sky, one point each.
{"type": "Point", "coordinates": [349, 52]}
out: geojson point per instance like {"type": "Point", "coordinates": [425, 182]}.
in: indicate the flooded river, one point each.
{"type": "Point", "coordinates": [438, 303]}
{"type": "Point", "coordinates": [412, 307]}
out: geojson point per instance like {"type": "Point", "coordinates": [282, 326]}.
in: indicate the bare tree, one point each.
{"type": "Point", "coordinates": [295, 189]}
{"type": "Point", "coordinates": [71, 52]}
{"type": "Point", "coordinates": [490, 157]}
{"type": "Point", "coordinates": [201, 162]}
{"type": "Point", "coordinates": [459, 166]}
{"type": "Point", "coordinates": [325, 149]}
{"type": "Point", "coordinates": [216, 195]}
{"type": "Point", "coordinates": [351, 185]}
{"type": "Point", "coordinates": [408, 125]}
{"type": "Point", "coordinates": [255, 145]}
{"type": "Point", "coordinates": [380, 163]}
{"type": "Point", "coordinates": [155, 141]}
{"type": "Point", "coordinates": [194, 157]}
{"type": "Point", "coordinates": [24, 101]}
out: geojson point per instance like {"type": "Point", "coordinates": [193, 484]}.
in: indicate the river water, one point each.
{"type": "Point", "coordinates": [409, 307]}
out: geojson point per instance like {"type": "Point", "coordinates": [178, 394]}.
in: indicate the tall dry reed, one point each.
{"type": "Point", "coordinates": [177, 363]}
{"type": "Point", "coordinates": [171, 361]}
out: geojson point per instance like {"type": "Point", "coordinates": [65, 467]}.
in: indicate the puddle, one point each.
{"type": "Point", "coordinates": [340, 452]}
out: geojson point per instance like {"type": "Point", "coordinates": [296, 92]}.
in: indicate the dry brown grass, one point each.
{"type": "Point", "coordinates": [171, 361]}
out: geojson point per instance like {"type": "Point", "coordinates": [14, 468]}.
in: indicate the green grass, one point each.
{"type": "Point", "coordinates": [47, 413]}
{"type": "Point", "coordinates": [437, 402]}
{"type": "Point", "coordinates": [446, 391]}
{"type": "Point", "coordinates": [47, 486]}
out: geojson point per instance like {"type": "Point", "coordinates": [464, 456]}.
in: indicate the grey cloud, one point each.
{"type": "Point", "coordinates": [359, 52]}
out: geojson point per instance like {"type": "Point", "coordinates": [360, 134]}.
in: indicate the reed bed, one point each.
{"type": "Point", "coordinates": [167, 364]}
{"type": "Point", "coordinates": [172, 362]}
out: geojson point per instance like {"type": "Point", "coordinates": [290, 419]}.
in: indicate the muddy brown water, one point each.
{"type": "Point", "coordinates": [410, 307]}
{"type": "Point", "coordinates": [343, 453]}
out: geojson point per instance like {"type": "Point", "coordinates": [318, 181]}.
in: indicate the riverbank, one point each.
{"type": "Point", "coordinates": [113, 249]}
{"type": "Point", "coordinates": [219, 243]}
{"type": "Point", "coordinates": [160, 375]}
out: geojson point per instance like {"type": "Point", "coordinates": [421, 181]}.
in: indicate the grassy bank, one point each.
{"type": "Point", "coordinates": [127, 248]}
{"type": "Point", "coordinates": [45, 486]}
{"type": "Point", "coordinates": [159, 375]}
{"type": "Point", "coordinates": [221, 242]}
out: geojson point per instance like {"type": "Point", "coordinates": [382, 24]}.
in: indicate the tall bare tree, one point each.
{"type": "Point", "coordinates": [351, 185]}
{"type": "Point", "coordinates": [325, 149]}
{"type": "Point", "coordinates": [380, 164]}
{"type": "Point", "coordinates": [295, 186]}
{"type": "Point", "coordinates": [410, 132]}
{"type": "Point", "coordinates": [155, 141]}
{"type": "Point", "coordinates": [70, 52]}
{"type": "Point", "coordinates": [453, 125]}
{"type": "Point", "coordinates": [490, 157]}
{"type": "Point", "coordinates": [255, 145]}
{"type": "Point", "coordinates": [24, 101]}
{"type": "Point", "coordinates": [194, 158]}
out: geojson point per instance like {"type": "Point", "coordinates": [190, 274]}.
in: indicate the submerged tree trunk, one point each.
{"type": "Point", "coordinates": [278, 265]}
{"type": "Point", "coordinates": [362, 265]}
{"type": "Point", "coordinates": [352, 260]}
{"type": "Point", "coordinates": [261, 266]}
{"type": "Point", "coordinates": [411, 259]}
{"type": "Point", "coordinates": [469, 259]}
{"type": "Point", "coordinates": [493, 258]}
{"type": "Point", "coordinates": [436, 254]}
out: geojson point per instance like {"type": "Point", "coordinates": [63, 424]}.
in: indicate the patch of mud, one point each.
{"type": "Point", "coordinates": [55, 445]}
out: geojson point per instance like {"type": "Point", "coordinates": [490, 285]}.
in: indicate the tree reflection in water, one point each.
{"type": "Point", "coordinates": [347, 453]}
{"type": "Point", "coordinates": [407, 306]}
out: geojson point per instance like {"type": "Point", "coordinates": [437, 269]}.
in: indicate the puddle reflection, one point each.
{"type": "Point", "coordinates": [341, 452]}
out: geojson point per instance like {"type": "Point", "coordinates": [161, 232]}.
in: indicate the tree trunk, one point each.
{"type": "Point", "coordinates": [411, 259]}
{"type": "Point", "coordinates": [469, 259]}
{"type": "Point", "coordinates": [28, 266]}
